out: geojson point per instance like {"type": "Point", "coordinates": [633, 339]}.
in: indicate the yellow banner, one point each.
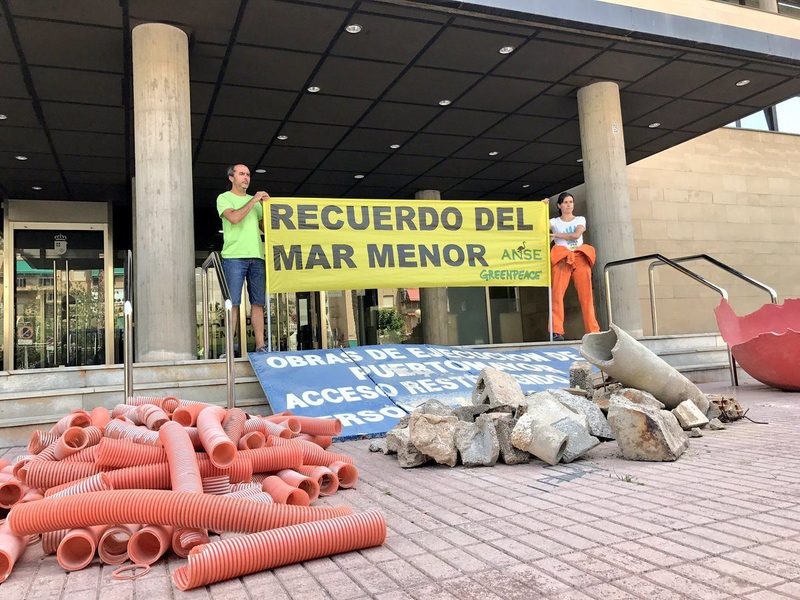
{"type": "Point", "coordinates": [336, 244]}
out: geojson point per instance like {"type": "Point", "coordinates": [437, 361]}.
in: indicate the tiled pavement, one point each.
{"type": "Point", "coordinates": [722, 522]}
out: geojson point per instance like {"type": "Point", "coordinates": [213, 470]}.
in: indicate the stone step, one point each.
{"type": "Point", "coordinates": [671, 343]}
{"type": "Point", "coordinates": [701, 356]}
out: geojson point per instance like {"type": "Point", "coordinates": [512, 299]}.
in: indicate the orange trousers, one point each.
{"type": "Point", "coordinates": [577, 266]}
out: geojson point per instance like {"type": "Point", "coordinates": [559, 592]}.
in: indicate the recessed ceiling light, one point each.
{"type": "Point", "coordinates": [654, 125]}
{"type": "Point", "coordinates": [283, 137]}
{"type": "Point", "coordinates": [354, 28]}
{"type": "Point", "coordinates": [506, 50]}
{"type": "Point", "coordinates": [261, 170]}
{"type": "Point", "coordinates": [493, 153]}
{"type": "Point", "coordinates": [743, 83]}
{"type": "Point", "coordinates": [36, 188]}
{"type": "Point", "coordinates": [3, 117]}
{"type": "Point", "coordinates": [445, 102]}
{"type": "Point", "coordinates": [220, 231]}
{"type": "Point", "coordinates": [526, 185]}
{"type": "Point", "coordinates": [394, 146]}
{"type": "Point", "coordinates": [20, 157]}
{"type": "Point", "coordinates": [358, 176]}
{"type": "Point", "coordinates": [579, 160]}
{"type": "Point", "coordinates": [314, 89]}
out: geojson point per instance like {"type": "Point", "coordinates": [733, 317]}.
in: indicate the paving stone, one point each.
{"type": "Point", "coordinates": [689, 415]}
{"type": "Point", "coordinates": [598, 424]}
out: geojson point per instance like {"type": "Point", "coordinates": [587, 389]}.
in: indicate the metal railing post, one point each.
{"type": "Point", "coordinates": [214, 261]}
{"type": "Point", "coordinates": [206, 337]}
{"type": "Point", "coordinates": [229, 353]}
{"type": "Point", "coordinates": [127, 349]}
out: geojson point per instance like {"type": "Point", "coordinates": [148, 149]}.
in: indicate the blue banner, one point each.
{"type": "Point", "coordinates": [369, 388]}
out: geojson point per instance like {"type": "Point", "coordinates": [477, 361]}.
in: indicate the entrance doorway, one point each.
{"type": "Point", "coordinates": [59, 298]}
{"type": "Point", "coordinates": [59, 288]}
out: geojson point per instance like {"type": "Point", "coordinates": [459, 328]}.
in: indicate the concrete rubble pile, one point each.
{"type": "Point", "coordinates": [651, 412]}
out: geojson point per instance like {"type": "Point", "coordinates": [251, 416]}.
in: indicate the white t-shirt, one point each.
{"type": "Point", "coordinates": [559, 226]}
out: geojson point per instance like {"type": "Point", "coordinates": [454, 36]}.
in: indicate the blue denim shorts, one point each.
{"type": "Point", "coordinates": [254, 271]}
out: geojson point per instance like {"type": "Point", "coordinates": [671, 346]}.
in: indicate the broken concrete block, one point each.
{"type": "Point", "coordinates": [689, 415]}
{"type": "Point", "coordinates": [468, 413]}
{"type": "Point", "coordinates": [716, 424]}
{"type": "Point", "coordinates": [548, 443]}
{"type": "Point", "coordinates": [644, 432]}
{"type": "Point", "coordinates": [641, 397]}
{"type": "Point", "coordinates": [580, 376]}
{"type": "Point", "coordinates": [378, 445]}
{"type": "Point", "coordinates": [399, 441]}
{"type": "Point", "coordinates": [713, 411]}
{"type": "Point", "coordinates": [477, 442]}
{"type": "Point", "coordinates": [598, 425]}
{"type": "Point", "coordinates": [434, 436]}
{"type": "Point", "coordinates": [545, 409]}
{"type": "Point", "coordinates": [579, 440]}
{"type": "Point", "coordinates": [695, 432]}
{"type": "Point", "coordinates": [434, 407]}
{"type": "Point", "coordinates": [497, 387]}
{"type": "Point", "coordinates": [504, 425]}
{"type": "Point", "coordinates": [729, 407]}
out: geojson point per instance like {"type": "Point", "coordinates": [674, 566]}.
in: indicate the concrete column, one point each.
{"type": "Point", "coordinates": [768, 5]}
{"type": "Point", "coordinates": [164, 240]}
{"type": "Point", "coordinates": [609, 221]}
{"type": "Point", "coordinates": [433, 301]}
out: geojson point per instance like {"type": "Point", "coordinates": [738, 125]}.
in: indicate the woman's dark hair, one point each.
{"type": "Point", "coordinates": [561, 197]}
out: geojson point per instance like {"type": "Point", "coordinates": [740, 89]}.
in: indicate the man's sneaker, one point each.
{"type": "Point", "coordinates": [262, 349]}
{"type": "Point", "coordinates": [558, 337]}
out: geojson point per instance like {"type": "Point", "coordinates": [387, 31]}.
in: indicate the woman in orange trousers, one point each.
{"type": "Point", "coordinates": [570, 258]}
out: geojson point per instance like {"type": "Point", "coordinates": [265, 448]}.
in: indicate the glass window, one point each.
{"type": "Point", "coordinates": [789, 116]}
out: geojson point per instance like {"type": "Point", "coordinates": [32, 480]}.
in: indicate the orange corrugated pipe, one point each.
{"type": "Point", "coordinates": [246, 554]}
{"type": "Point", "coordinates": [100, 416]}
{"type": "Point", "coordinates": [46, 474]}
{"type": "Point", "coordinates": [326, 479]}
{"type": "Point", "coordinates": [151, 416]}
{"type": "Point", "coordinates": [77, 418]}
{"type": "Point", "coordinates": [76, 549]}
{"type": "Point", "coordinates": [220, 484]}
{"type": "Point", "coordinates": [41, 440]}
{"type": "Point", "coordinates": [346, 472]}
{"type": "Point", "coordinates": [156, 476]}
{"type": "Point", "coordinates": [286, 420]}
{"type": "Point", "coordinates": [317, 426]}
{"type": "Point", "coordinates": [96, 483]}
{"type": "Point", "coordinates": [184, 539]}
{"type": "Point", "coordinates": [240, 470]}
{"type": "Point", "coordinates": [119, 453]}
{"type": "Point", "coordinates": [267, 427]}
{"type": "Point", "coordinates": [187, 415]}
{"type": "Point", "coordinates": [129, 412]}
{"type": "Point", "coordinates": [323, 441]}
{"type": "Point", "coordinates": [182, 460]}
{"type": "Point", "coordinates": [252, 441]}
{"type": "Point", "coordinates": [269, 459]}
{"type": "Point", "coordinates": [308, 484]}
{"type": "Point", "coordinates": [260, 497]}
{"type": "Point", "coordinates": [11, 492]}
{"type": "Point", "coordinates": [74, 440]}
{"type": "Point", "coordinates": [122, 430]}
{"type": "Point", "coordinates": [170, 403]}
{"type": "Point", "coordinates": [179, 509]}
{"type": "Point", "coordinates": [51, 540]}
{"type": "Point", "coordinates": [31, 495]}
{"type": "Point", "coordinates": [233, 424]}
{"type": "Point", "coordinates": [11, 548]}
{"type": "Point", "coordinates": [283, 493]}
{"type": "Point", "coordinates": [112, 548]}
{"type": "Point", "coordinates": [221, 450]}
{"type": "Point", "coordinates": [139, 400]}
{"type": "Point", "coordinates": [148, 544]}
{"type": "Point", "coordinates": [88, 454]}
{"type": "Point", "coordinates": [313, 454]}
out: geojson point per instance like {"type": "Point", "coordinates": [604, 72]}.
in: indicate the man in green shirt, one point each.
{"type": "Point", "coordinates": [243, 250]}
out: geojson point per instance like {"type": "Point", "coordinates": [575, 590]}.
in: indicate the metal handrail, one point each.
{"type": "Point", "coordinates": [663, 259]}
{"type": "Point", "coordinates": [214, 261]}
{"type": "Point", "coordinates": [127, 311]}
{"type": "Point", "coordinates": [727, 268]}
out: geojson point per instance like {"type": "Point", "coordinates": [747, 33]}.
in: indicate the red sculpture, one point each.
{"type": "Point", "coordinates": [765, 343]}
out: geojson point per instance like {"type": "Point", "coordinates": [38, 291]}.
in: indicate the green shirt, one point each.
{"type": "Point", "coordinates": [243, 239]}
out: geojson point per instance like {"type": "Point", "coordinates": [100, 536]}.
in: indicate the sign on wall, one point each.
{"type": "Point", "coordinates": [369, 388]}
{"type": "Point", "coordinates": [324, 244]}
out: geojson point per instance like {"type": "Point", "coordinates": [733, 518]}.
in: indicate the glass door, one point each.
{"type": "Point", "coordinates": [59, 298]}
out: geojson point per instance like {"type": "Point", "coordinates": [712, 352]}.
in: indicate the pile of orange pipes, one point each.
{"type": "Point", "coordinates": [161, 474]}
